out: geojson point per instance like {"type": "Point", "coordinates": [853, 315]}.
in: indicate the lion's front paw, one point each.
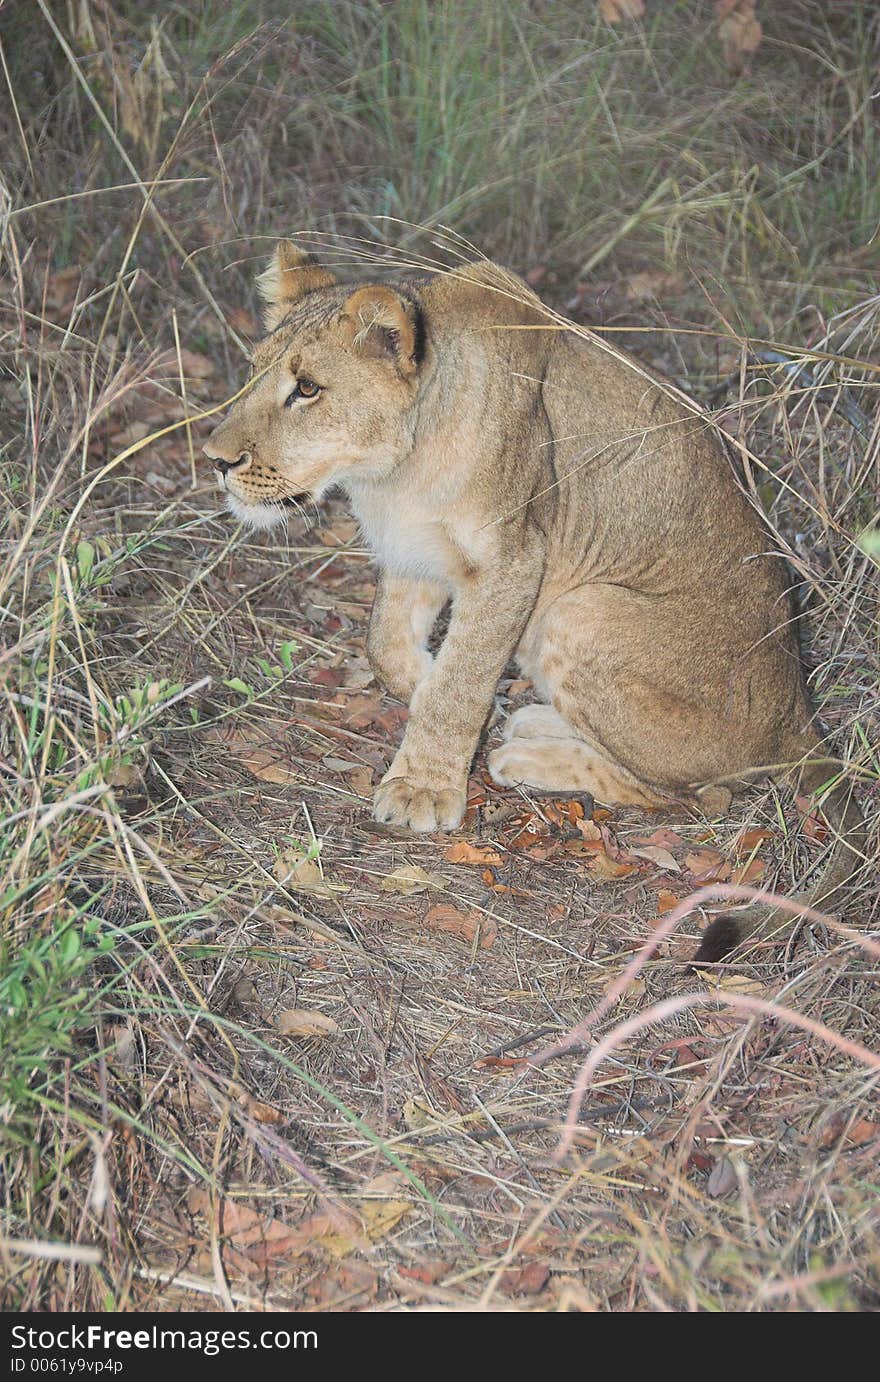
{"type": "Point", "coordinates": [417, 804]}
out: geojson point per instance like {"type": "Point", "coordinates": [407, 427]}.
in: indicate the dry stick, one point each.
{"type": "Point", "coordinates": [98, 192]}
{"type": "Point", "coordinates": [180, 371]}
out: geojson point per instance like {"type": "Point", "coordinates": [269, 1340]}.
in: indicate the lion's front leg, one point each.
{"type": "Point", "coordinates": [401, 621]}
{"type": "Point", "coordinates": [426, 786]}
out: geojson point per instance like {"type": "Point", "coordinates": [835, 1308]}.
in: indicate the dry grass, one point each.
{"type": "Point", "coordinates": [188, 712]}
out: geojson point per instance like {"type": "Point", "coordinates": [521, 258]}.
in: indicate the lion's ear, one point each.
{"type": "Point", "coordinates": [290, 275]}
{"type": "Point", "coordinates": [384, 325]}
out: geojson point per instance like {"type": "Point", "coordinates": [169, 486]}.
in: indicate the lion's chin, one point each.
{"type": "Point", "coordinates": [259, 517]}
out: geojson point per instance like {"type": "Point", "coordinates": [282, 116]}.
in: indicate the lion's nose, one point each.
{"type": "Point", "coordinates": [224, 459]}
{"type": "Point", "coordinates": [240, 463]}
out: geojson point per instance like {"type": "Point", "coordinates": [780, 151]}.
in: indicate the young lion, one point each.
{"type": "Point", "coordinates": [581, 517]}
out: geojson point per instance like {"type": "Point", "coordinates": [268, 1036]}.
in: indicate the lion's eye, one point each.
{"type": "Point", "coordinates": [304, 388]}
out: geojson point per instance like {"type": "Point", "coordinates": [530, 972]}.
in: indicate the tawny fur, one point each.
{"type": "Point", "coordinates": [580, 517]}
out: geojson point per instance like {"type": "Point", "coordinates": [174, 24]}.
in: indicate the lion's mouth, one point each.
{"type": "Point", "coordinates": [296, 501]}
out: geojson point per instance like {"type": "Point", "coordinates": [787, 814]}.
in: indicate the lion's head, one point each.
{"type": "Point", "coordinates": [335, 380]}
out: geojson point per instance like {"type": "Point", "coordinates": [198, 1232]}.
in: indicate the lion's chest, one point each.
{"type": "Point", "coordinates": [408, 543]}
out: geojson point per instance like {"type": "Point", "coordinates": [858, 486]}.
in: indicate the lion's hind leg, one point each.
{"type": "Point", "coordinates": [542, 751]}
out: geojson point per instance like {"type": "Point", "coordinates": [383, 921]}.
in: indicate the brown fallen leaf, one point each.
{"type": "Point", "coordinates": [265, 764]}
{"type": "Point", "coordinates": [658, 855]}
{"type": "Point", "coordinates": [751, 839]}
{"type": "Point", "coordinates": [300, 873]}
{"type": "Point", "coordinates": [589, 830]}
{"type": "Point", "coordinates": [348, 1286]}
{"type": "Point", "coordinates": [861, 1132]}
{"type": "Point", "coordinates": [466, 926]}
{"type": "Point", "coordinates": [707, 866]}
{"type": "Point", "coordinates": [463, 853]}
{"type": "Point", "coordinates": [666, 901]}
{"type": "Point", "coordinates": [377, 1216]}
{"type": "Point", "coordinates": [602, 866]}
{"type": "Point", "coordinates": [750, 872]}
{"type": "Point", "coordinates": [256, 748]}
{"type": "Point", "coordinates": [428, 1272]}
{"type": "Point", "coordinates": [723, 1179]}
{"type": "Point", "coordinates": [411, 878]}
{"type": "Point", "coordinates": [494, 886]}
{"type": "Point", "coordinates": [731, 983]}
{"type": "Point", "coordinates": [664, 837]}
{"type": "Point", "coordinates": [529, 1280]}
{"type": "Point", "coordinates": [258, 1240]}
{"type": "Point", "coordinates": [303, 1022]}
{"type": "Point", "coordinates": [812, 825]}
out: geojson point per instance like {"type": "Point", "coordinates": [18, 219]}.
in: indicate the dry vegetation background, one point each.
{"type": "Point", "coordinates": [255, 1051]}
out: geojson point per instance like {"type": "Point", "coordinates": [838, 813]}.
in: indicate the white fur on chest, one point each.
{"type": "Point", "coordinates": [405, 541]}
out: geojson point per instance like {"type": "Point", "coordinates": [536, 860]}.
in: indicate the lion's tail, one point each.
{"type": "Point", "coordinates": [847, 827]}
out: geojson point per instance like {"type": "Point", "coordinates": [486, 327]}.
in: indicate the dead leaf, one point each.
{"type": "Point", "coordinates": [258, 1240]}
{"type": "Point", "coordinates": [616, 11]}
{"type": "Point", "coordinates": [411, 878]}
{"type": "Point", "coordinates": [492, 883]}
{"type": "Point", "coordinates": [862, 1131]}
{"type": "Point", "coordinates": [658, 855]}
{"type": "Point", "coordinates": [379, 1218]}
{"type": "Point", "coordinates": [812, 825]}
{"type": "Point", "coordinates": [305, 1023]}
{"type": "Point", "coordinates": [301, 873]}
{"type": "Point", "coordinates": [602, 866]}
{"type": "Point", "coordinates": [590, 831]}
{"type": "Point", "coordinates": [529, 1280]}
{"type": "Point", "coordinates": [663, 837]}
{"type": "Point", "coordinates": [463, 853]}
{"type": "Point", "coordinates": [428, 1272]}
{"type": "Point", "coordinates": [258, 749]}
{"type": "Point", "coordinates": [723, 1179]}
{"type": "Point", "coordinates": [751, 839]}
{"type": "Point", "coordinates": [749, 872]}
{"type": "Point", "coordinates": [351, 1285]}
{"type": "Point", "coordinates": [731, 983]}
{"type": "Point", "coordinates": [466, 926]}
{"type": "Point", "coordinates": [264, 764]}
{"type": "Point", "coordinates": [666, 901]}
{"type": "Point", "coordinates": [707, 866]}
